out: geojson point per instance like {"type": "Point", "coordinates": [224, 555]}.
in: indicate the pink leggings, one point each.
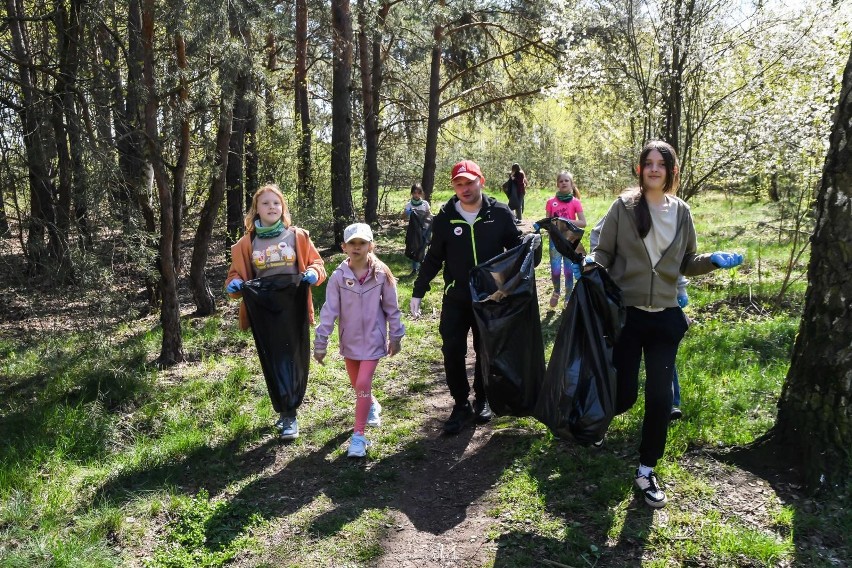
{"type": "Point", "coordinates": [361, 377]}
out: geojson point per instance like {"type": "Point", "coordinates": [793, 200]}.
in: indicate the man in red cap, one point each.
{"type": "Point", "coordinates": [470, 229]}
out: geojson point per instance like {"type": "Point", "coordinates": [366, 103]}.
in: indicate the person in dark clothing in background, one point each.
{"type": "Point", "coordinates": [518, 189]}
{"type": "Point", "coordinates": [470, 228]}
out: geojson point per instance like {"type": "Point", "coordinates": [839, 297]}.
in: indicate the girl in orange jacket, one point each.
{"type": "Point", "coordinates": [270, 247]}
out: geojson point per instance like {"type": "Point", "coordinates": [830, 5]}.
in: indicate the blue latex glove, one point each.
{"type": "Point", "coordinates": [310, 277]}
{"type": "Point", "coordinates": [578, 272]}
{"type": "Point", "coordinates": [536, 228]}
{"type": "Point", "coordinates": [683, 301]}
{"type": "Point", "coordinates": [234, 285]}
{"type": "Point", "coordinates": [726, 259]}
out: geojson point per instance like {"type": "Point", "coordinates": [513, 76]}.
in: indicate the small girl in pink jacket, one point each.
{"type": "Point", "coordinates": [361, 293]}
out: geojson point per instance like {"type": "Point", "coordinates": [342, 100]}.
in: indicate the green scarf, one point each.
{"type": "Point", "coordinates": [564, 198]}
{"type": "Point", "coordinates": [416, 202]}
{"type": "Point", "coordinates": [268, 232]}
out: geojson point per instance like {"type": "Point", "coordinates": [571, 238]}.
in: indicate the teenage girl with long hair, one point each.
{"type": "Point", "coordinates": [647, 240]}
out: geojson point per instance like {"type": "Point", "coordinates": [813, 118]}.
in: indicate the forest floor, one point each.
{"type": "Point", "coordinates": [444, 507]}
{"type": "Point", "coordinates": [443, 513]}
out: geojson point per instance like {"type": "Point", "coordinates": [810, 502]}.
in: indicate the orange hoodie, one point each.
{"type": "Point", "coordinates": [242, 268]}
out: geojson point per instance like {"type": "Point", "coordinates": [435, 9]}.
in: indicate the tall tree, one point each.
{"type": "Point", "coordinates": [235, 179]}
{"type": "Point", "coordinates": [204, 299]}
{"type": "Point", "coordinates": [341, 118]}
{"type": "Point", "coordinates": [234, 68]}
{"type": "Point", "coordinates": [30, 110]}
{"type": "Point", "coordinates": [171, 350]}
{"type": "Point", "coordinates": [484, 56]}
{"type": "Point", "coordinates": [433, 107]}
{"type": "Point", "coordinates": [814, 425]}
{"type": "Point", "coordinates": [370, 30]}
{"type": "Point", "coordinates": [66, 126]}
{"type": "Point", "coordinates": [137, 174]}
{"type": "Point", "coordinates": [683, 64]}
{"type": "Point", "coordinates": [304, 184]}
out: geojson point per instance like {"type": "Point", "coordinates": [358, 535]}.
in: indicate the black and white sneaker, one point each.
{"type": "Point", "coordinates": [650, 488]}
{"type": "Point", "coordinates": [482, 411]}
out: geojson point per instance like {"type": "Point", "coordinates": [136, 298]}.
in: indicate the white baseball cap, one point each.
{"type": "Point", "coordinates": [358, 231]}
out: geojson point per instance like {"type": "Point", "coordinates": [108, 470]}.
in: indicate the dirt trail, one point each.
{"type": "Point", "coordinates": [440, 518]}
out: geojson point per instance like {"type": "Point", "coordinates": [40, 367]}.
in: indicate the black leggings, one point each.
{"type": "Point", "coordinates": [656, 335]}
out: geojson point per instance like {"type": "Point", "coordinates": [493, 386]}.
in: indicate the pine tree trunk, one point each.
{"type": "Point", "coordinates": [235, 207]}
{"type": "Point", "coordinates": [341, 118]}
{"type": "Point", "coordinates": [171, 350]}
{"type": "Point", "coordinates": [305, 188]}
{"type": "Point", "coordinates": [136, 171]}
{"type": "Point", "coordinates": [370, 106]}
{"type": "Point", "coordinates": [42, 216]}
{"type": "Point", "coordinates": [252, 182]}
{"type": "Point", "coordinates": [205, 302]}
{"type": "Point", "coordinates": [814, 425]}
{"type": "Point", "coordinates": [433, 122]}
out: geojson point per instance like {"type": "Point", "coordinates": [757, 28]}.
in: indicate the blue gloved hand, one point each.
{"type": "Point", "coordinates": [726, 259]}
{"type": "Point", "coordinates": [234, 285]}
{"type": "Point", "coordinates": [536, 228]}
{"type": "Point", "coordinates": [683, 300]}
{"type": "Point", "coordinates": [578, 272]}
{"type": "Point", "coordinates": [310, 277]}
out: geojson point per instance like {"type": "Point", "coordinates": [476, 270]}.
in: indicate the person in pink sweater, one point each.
{"type": "Point", "coordinates": [361, 294]}
{"type": "Point", "coordinates": [566, 205]}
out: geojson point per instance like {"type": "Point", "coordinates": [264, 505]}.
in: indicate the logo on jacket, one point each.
{"type": "Point", "coordinates": [457, 231]}
{"type": "Point", "coordinates": [350, 282]}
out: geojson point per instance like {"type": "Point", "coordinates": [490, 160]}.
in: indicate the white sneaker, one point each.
{"type": "Point", "coordinates": [650, 488]}
{"type": "Point", "coordinates": [375, 416]}
{"type": "Point", "coordinates": [289, 428]}
{"type": "Point", "coordinates": [358, 446]}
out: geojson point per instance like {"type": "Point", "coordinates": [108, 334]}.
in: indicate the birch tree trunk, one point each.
{"type": "Point", "coordinates": [814, 426]}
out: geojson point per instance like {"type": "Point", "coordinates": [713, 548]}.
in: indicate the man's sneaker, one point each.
{"type": "Point", "coordinates": [650, 488]}
{"type": "Point", "coordinates": [375, 416]}
{"type": "Point", "coordinates": [676, 414]}
{"type": "Point", "coordinates": [358, 446]}
{"type": "Point", "coordinates": [289, 428]}
{"type": "Point", "coordinates": [482, 411]}
{"type": "Point", "coordinates": [460, 415]}
{"type": "Point", "coordinates": [599, 444]}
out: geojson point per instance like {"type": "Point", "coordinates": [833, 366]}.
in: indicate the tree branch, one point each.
{"type": "Point", "coordinates": [489, 102]}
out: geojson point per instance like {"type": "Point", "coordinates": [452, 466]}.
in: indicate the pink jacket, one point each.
{"type": "Point", "coordinates": [366, 313]}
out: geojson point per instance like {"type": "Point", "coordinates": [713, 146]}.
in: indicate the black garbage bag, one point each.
{"type": "Point", "coordinates": [511, 348]}
{"type": "Point", "coordinates": [514, 199]}
{"type": "Point", "coordinates": [279, 322]}
{"type": "Point", "coordinates": [577, 396]}
{"type": "Point", "coordinates": [417, 235]}
{"type": "Point", "coordinates": [565, 237]}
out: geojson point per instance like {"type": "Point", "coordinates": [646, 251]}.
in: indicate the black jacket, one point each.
{"type": "Point", "coordinates": [459, 246]}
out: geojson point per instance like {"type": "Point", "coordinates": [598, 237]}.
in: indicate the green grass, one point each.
{"type": "Point", "coordinates": [108, 461]}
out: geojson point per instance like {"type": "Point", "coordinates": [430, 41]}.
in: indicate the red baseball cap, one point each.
{"type": "Point", "coordinates": [468, 170]}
